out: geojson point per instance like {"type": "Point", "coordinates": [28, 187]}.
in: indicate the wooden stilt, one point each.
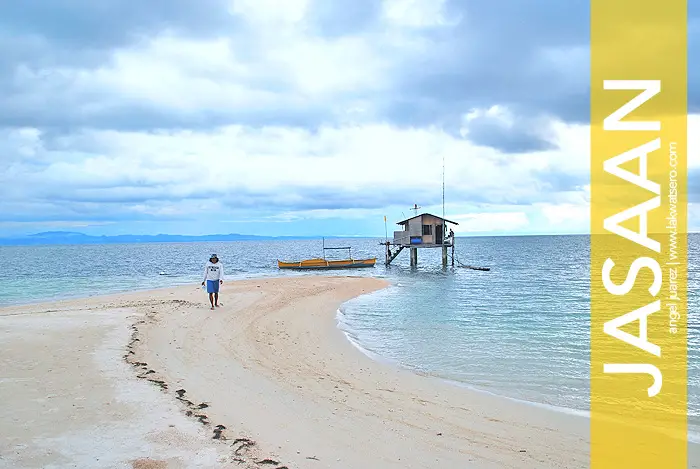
{"type": "Point", "coordinates": [414, 257]}
{"type": "Point", "coordinates": [444, 257]}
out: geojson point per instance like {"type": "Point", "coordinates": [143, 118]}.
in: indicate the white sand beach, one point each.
{"type": "Point", "coordinates": [156, 380]}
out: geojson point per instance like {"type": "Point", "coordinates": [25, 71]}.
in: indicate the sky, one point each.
{"type": "Point", "coordinates": [299, 117]}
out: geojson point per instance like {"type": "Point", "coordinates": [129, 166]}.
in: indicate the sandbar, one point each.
{"type": "Point", "coordinates": [154, 379]}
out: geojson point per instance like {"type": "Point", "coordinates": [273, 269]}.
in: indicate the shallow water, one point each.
{"type": "Point", "coordinates": [520, 330]}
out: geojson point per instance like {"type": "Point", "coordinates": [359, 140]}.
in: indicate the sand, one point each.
{"type": "Point", "coordinates": [155, 379]}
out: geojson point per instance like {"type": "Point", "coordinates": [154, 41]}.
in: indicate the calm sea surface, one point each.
{"type": "Point", "coordinates": [520, 330]}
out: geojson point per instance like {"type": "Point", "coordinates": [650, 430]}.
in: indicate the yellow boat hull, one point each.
{"type": "Point", "coordinates": [323, 264]}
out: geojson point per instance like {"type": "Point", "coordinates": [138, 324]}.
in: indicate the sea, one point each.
{"type": "Point", "coordinates": [520, 330]}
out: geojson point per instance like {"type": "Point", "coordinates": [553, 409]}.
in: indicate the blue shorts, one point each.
{"type": "Point", "coordinates": [212, 286]}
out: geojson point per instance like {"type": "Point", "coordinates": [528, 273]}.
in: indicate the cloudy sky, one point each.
{"type": "Point", "coordinates": [296, 117]}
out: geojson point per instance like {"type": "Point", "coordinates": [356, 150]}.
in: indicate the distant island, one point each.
{"type": "Point", "coordinates": [68, 237]}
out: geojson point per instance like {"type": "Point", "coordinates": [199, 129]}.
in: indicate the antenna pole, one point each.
{"type": "Point", "coordinates": [443, 185]}
{"type": "Point", "coordinates": [443, 195]}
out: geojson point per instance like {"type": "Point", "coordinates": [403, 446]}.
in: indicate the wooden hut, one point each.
{"type": "Point", "coordinates": [421, 231]}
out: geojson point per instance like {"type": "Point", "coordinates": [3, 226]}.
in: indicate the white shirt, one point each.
{"type": "Point", "coordinates": [213, 271]}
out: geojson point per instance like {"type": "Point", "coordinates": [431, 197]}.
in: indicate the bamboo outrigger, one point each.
{"type": "Point", "coordinates": [325, 264]}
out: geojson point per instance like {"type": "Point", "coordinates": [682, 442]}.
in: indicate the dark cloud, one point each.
{"type": "Point", "coordinates": [495, 55]}
{"type": "Point", "coordinates": [519, 136]}
{"type": "Point", "coordinates": [80, 24]}
{"type": "Point", "coordinates": [555, 181]}
{"type": "Point", "coordinates": [45, 35]}
{"type": "Point", "coordinates": [61, 112]}
{"type": "Point", "coordinates": [530, 56]}
{"type": "Point", "coordinates": [343, 17]}
{"type": "Point", "coordinates": [112, 199]}
{"type": "Point", "coordinates": [510, 140]}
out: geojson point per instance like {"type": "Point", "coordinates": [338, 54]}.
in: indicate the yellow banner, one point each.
{"type": "Point", "coordinates": [638, 234]}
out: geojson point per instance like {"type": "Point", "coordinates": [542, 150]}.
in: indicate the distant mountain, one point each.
{"type": "Point", "coordinates": [68, 237]}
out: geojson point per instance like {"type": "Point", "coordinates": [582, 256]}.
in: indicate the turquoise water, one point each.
{"type": "Point", "coordinates": [520, 330]}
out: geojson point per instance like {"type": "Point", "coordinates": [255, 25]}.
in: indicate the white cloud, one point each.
{"type": "Point", "coordinates": [276, 65]}
{"type": "Point", "coordinates": [182, 173]}
{"type": "Point", "coordinates": [52, 224]}
{"type": "Point", "coordinates": [416, 13]}
{"type": "Point", "coordinates": [496, 112]}
{"type": "Point", "coordinates": [365, 160]}
{"type": "Point", "coordinates": [563, 215]}
{"type": "Point", "coordinates": [324, 214]}
{"type": "Point", "coordinates": [490, 222]}
{"type": "Point", "coordinates": [271, 13]}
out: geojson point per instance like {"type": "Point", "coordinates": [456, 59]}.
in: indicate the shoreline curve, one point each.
{"type": "Point", "coordinates": [272, 367]}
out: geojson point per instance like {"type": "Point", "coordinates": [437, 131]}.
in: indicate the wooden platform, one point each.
{"type": "Point", "coordinates": [417, 245]}
{"type": "Point", "coordinates": [391, 254]}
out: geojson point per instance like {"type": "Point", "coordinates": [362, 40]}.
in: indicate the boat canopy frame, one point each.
{"type": "Point", "coordinates": [336, 248]}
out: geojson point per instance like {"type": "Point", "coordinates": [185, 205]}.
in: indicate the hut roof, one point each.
{"type": "Point", "coordinates": [403, 222]}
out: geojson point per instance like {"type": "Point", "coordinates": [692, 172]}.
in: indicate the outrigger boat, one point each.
{"type": "Point", "coordinates": [325, 264]}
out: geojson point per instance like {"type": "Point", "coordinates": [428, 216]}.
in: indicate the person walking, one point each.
{"type": "Point", "coordinates": [213, 277]}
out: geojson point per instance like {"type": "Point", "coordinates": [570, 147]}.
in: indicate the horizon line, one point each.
{"type": "Point", "coordinates": [57, 236]}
